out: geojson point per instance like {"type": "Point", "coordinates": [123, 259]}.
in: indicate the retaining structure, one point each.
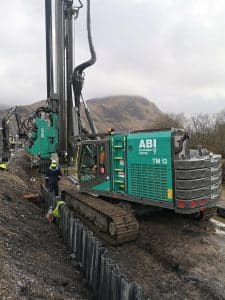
{"type": "Point", "coordinates": [101, 272]}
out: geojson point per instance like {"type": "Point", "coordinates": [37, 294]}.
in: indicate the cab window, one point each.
{"type": "Point", "coordinates": [92, 163]}
{"type": "Point", "coordinates": [89, 157]}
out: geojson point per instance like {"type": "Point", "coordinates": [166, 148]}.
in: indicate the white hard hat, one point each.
{"type": "Point", "coordinates": [54, 161]}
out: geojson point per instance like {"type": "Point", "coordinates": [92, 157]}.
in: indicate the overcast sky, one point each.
{"type": "Point", "coordinates": [169, 51]}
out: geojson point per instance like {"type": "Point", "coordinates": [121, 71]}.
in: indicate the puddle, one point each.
{"type": "Point", "coordinates": [219, 224]}
{"type": "Point", "coordinates": [218, 221]}
{"type": "Point", "coordinates": [218, 231]}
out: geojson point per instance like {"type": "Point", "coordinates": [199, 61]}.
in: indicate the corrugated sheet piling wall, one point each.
{"type": "Point", "coordinates": [102, 274]}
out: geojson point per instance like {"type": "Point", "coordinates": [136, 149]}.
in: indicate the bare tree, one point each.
{"type": "Point", "coordinates": [206, 130]}
{"type": "Point", "coordinates": [167, 121]}
{"type": "Point", "coordinates": [219, 146]}
{"type": "Point", "coordinates": [202, 128]}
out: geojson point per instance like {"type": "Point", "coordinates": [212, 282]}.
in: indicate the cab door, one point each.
{"type": "Point", "coordinates": [93, 166]}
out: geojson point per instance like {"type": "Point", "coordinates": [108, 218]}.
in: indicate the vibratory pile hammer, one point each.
{"type": "Point", "coordinates": [57, 127]}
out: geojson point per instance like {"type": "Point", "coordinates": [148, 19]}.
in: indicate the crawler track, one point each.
{"type": "Point", "coordinates": [114, 224]}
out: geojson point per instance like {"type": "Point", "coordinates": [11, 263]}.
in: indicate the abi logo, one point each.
{"type": "Point", "coordinates": [148, 143]}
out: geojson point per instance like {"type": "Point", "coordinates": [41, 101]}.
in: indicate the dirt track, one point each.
{"type": "Point", "coordinates": [35, 264]}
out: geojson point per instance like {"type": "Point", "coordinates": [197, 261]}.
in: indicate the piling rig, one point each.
{"type": "Point", "coordinates": [119, 175]}
{"type": "Point", "coordinates": [4, 133]}
{"type": "Point", "coordinates": [58, 127]}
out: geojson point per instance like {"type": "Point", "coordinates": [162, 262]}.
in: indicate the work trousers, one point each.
{"type": "Point", "coordinates": [54, 187]}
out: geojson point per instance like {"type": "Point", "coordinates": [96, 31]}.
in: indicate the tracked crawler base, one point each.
{"type": "Point", "coordinates": [113, 223]}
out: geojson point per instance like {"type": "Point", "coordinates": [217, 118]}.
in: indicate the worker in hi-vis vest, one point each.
{"type": "Point", "coordinates": [53, 176]}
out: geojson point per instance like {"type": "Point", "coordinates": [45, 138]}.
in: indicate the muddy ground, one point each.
{"type": "Point", "coordinates": [173, 258]}
{"type": "Point", "coordinates": [35, 263]}
{"type": "Point", "coordinates": [176, 257]}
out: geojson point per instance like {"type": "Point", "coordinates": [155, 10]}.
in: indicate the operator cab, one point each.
{"type": "Point", "coordinates": [93, 162]}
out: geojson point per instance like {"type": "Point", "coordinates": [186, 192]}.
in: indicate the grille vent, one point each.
{"type": "Point", "coordinates": [148, 181]}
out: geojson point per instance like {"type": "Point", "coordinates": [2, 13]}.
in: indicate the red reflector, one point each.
{"type": "Point", "coordinates": [181, 204]}
{"type": "Point", "coordinates": [193, 204]}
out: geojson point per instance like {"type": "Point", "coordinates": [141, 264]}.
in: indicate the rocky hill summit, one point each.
{"type": "Point", "coordinates": [123, 113]}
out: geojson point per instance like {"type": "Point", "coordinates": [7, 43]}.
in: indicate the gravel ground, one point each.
{"type": "Point", "coordinates": [35, 263]}
{"type": "Point", "coordinates": [173, 257]}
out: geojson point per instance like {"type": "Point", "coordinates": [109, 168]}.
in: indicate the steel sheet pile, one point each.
{"type": "Point", "coordinates": [101, 272]}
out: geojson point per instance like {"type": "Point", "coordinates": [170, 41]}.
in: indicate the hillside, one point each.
{"type": "Point", "coordinates": [3, 106]}
{"type": "Point", "coordinates": [24, 111]}
{"type": "Point", "coordinates": [123, 113]}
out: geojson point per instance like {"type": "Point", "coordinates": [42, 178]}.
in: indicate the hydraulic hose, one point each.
{"type": "Point", "coordinates": [77, 76]}
{"type": "Point", "coordinates": [80, 68]}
